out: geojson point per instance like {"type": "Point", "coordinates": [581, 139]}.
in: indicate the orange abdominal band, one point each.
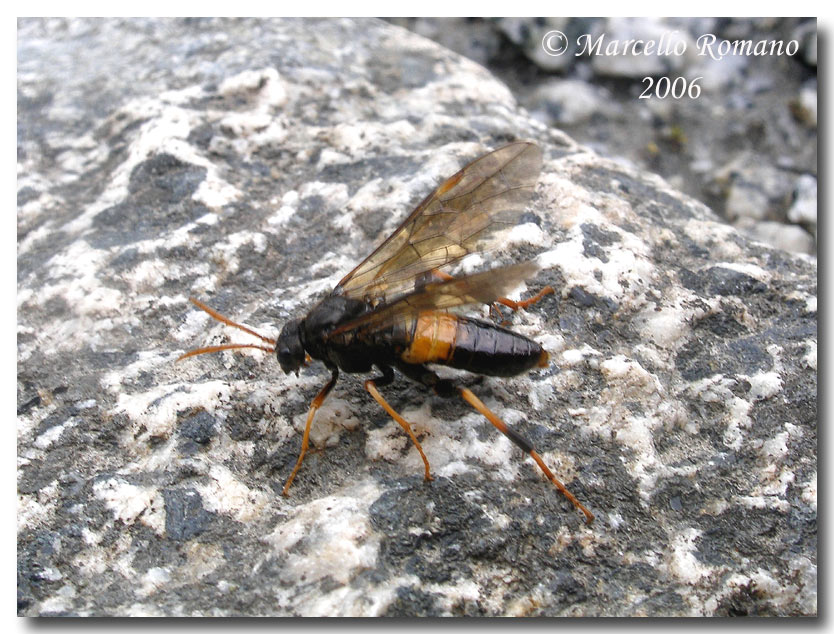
{"type": "Point", "coordinates": [434, 338]}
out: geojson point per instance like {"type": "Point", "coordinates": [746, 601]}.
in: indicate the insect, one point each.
{"type": "Point", "coordinates": [394, 310]}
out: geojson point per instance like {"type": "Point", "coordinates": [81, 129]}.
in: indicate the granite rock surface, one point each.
{"type": "Point", "coordinates": [251, 164]}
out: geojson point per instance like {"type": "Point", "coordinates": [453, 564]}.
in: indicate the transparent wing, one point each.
{"type": "Point", "coordinates": [480, 288]}
{"type": "Point", "coordinates": [450, 223]}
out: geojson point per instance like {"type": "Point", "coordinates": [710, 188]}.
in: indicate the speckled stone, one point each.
{"type": "Point", "coordinates": [252, 163]}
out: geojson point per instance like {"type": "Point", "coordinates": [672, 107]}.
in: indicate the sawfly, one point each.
{"type": "Point", "coordinates": [398, 310]}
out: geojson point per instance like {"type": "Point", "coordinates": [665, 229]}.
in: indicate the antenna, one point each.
{"type": "Point", "coordinates": [227, 346]}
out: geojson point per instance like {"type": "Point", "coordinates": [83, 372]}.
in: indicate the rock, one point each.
{"type": "Point", "coordinates": [804, 207]}
{"type": "Point", "coordinates": [756, 191]}
{"type": "Point", "coordinates": [805, 106]}
{"type": "Point", "coordinates": [529, 33]}
{"type": "Point", "coordinates": [806, 35]}
{"type": "Point", "coordinates": [568, 102]}
{"type": "Point", "coordinates": [251, 164]}
{"type": "Point", "coordinates": [759, 108]}
{"type": "Point", "coordinates": [479, 40]}
{"type": "Point", "coordinates": [791, 238]}
{"type": "Point", "coordinates": [621, 60]}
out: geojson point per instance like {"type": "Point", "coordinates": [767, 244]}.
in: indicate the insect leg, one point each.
{"type": "Point", "coordinates": [514, 306]}
{"type": "Point", "coordinates": [305, 441]}
{"type": "Point", "coordinates": [495, 312]}
{"type": "Point", "coordinates": [525, 446]}
{"type": "Point", "coordinates": [385, 379]}
{"type": "Point", "coordinates": [446, 389]}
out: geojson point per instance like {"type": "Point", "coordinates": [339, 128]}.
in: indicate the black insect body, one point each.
{"type": "Point", "coordinates": [394, 309]}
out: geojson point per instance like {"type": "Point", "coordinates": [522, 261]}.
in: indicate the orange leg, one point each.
{"type": "Point", "coordinates": [305, 441]}
{"type": "Point", "coordinates": [547, 290]}
{"type": "Point", "coordinates": [475, 402]}
{"type": "Point", "coordinates": [509, 303]}
{"type": "Point", "coordinates": [371, 387]}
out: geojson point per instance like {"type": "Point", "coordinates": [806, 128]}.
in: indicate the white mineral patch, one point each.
{"type": "Point", "coordinates": [153, 580]}
{"type": "Point", "coordinates": [33, 237]}
{"type": "Point", "coordinates": [141, 610]}
{"type": "Point", "coordinates": [541, 395]}
{"type": "Point", "coordinates": [91, 537]}
{"type": "Point", "coordinates": [150, 274]}
{"type": "Point", "coordinates": [627, 270]}
{"type": "Point", "coordinates": [681, 561]}
{"type": "Point", "coordinates": [372, 195]}
{"type": "Point", "coordinates": [800, 595]}
{"type": "Point", "coordinates": [527, 233]}
{"type": "Point", "coordinates": [387, 442]}
{"type": "Point", "coordinates": [208, 219]}
{"type": "Point", "coordinates": [203, 559]}
{"type": "Point", "coordinates": [717, 389]}
{"type": "Point", "coordinates": [449, 445]}
{"type": "Point", "coordinates": [215, 193]}
{"type": "Point", "coordinates": [809, 491]}
{"type": "Point", "coordinates": [668, 323]}
{"type": "Point", "coordinates": [265, 82]}
{"type": "Point", "coordinates": [151, 361]}
{"type": "Point", "coordinates": [335, 194]}
{"type": "Point", "coordinates": [156, 410]}
{"type": "Point", "coordinates": [454, 594]}
{"type": "Point", "coordinates": [809, 360]}
{"type": "Point", "coordinates": [355, 140]}
{"type": "Point", "coordinates": [328, 156]}
{"type": "Point", "coordinates": [334, 416]}
{"type": "Point", "coordinates": [52, 434]}
{"type": "Point", "coordinates": [288, 208]}
{"type": "Point", "coordinates": [776, 447]}
{"type": "Point", "coordinates": [130, 502]}
{"type": "Point", "coordinates": [226, 250]}
{"type": "Point", "coordinates": [75, 271]}
{"type": "Point", "coordinates": [34, 510]}
{"type": "Point", "coordinates": [747, 268]}
{"type": "Point", "coordinates": [764, 385]}
{"type": "Point", "coordinates": [351, 602]}
{"type": "Point", "coordinates": [629, 372]}
{"type": "Point", "coordinates": [627, 380]}
{"type": "Point", "coordinates": [55, 604]}
{"type": "Point", "coordinates": [615, 520]}
{"type": "Point", "coordinates": [715, 237]}
{"type": "Point", "coordinates": [328, 537]}
{"type": "Point", "coordinates": [225, 494]}
{"type": "Point", "coordinates": [576, 356]}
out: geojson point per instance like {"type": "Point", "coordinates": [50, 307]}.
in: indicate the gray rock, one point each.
{"type": "Point", "coordinates": [479, 40]}
{"type": "Point", "coordinates": [806, 35]}
{"type": "Point", "coordinates": [751, 110]}
{"type": "Point", "coordinates": [791, 238]}
{"type": "Point", "coordinates": [804, 207]}
{"type": "Point", "coordinates": [251, 163]}
{"type": "Point", "coordinates": [569, 102]}
{"type": "Point", "coordinates": [760, 192]}
{"type": "Point", "coordinates": [528, 34]}
{"type": "Point", "coordinates": [620, 59]}
{"type": "Point", "coordinates": [805, 108]}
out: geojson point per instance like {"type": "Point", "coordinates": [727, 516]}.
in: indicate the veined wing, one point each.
{"type": "Point", "coordinates": [450, 223]}
{"type": "Point", "coordinates": [480, 288]}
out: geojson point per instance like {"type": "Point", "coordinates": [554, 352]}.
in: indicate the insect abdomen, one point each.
{"type": "Point", "coordinates": [472, 345]}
